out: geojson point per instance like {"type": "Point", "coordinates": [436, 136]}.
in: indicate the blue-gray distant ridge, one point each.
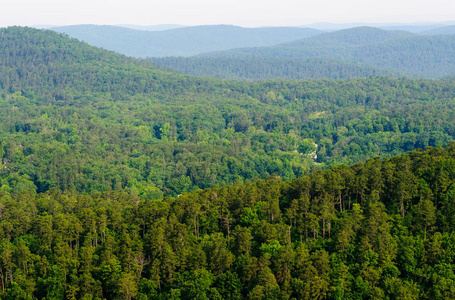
{"type": "Point", "coordinates": [186, 41]}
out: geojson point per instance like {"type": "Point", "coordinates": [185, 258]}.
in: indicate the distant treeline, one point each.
{"type": "Point", "coordinates": [266, 68]}
{"type": "Point", "coordinates": [356, 52]}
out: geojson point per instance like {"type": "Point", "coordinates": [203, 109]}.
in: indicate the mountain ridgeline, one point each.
{"type": "Point", "coordinates": [232, 52]}
{"type": "Point", "coordinates": [186, 41]}
{"type": "Point", "coordinates": [358, 52]}
{"type": "Point", "coordinates": [78, 117]}
{"type": "Point", "coordinates": [441, 30]}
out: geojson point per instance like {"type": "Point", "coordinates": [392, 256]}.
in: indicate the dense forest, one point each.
{"type": "Point", "coordinates": [421, 56]}
{"type": "Point", "coordinates": [78, 117]}
{"type": "Point", "coordinates": [382, 229]}
{"type": "Point", "coordinates": [119, 180]}
{"type": "Point", "coordinates": [266, 68]}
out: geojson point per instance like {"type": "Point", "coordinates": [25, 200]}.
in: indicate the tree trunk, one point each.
{"type": "Point", "coordinates": [341, 204]}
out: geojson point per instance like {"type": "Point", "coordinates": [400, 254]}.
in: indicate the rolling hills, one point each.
{"type": "Point", "coordinates": [185, 41]}
{"type": "Point", "coordinates": [399, 51]}
{"type": "Point", "coordinates": [78, 117]}
{"type": "Point", "coordinates": [287, 53]}
{"type": "Point", "coordinates": [94, 145]}
{"type": "Point", "coordinates": [336, 44]}
{"type": "Point", "coordinates": [440, 30]}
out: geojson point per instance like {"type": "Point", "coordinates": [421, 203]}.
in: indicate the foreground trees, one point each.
{"type": "Point", "coordinates": [378, 229]}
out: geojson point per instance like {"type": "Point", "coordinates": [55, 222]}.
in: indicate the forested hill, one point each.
{"type": "Point", "coordinates": [353, 37]}
{"type": "Point", "coordinates": [73, 116]}
{"type": "Point", "coordinates": [425, 56]}
{"type": "Point", "coordinates": [185, 41]}
{"type": "Point", "coordinates": [266, 68]}
{"type": "Point", "coordinates": [441, 30]}
{"type": "Point", "coordinates": [383, 229]}
{"type": "Point", "coordinates": [324, 44]}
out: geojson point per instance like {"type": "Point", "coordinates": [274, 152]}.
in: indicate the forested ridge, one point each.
{"type": "Point", "coordinates": [416, 56]}
{"type": "Point", "coordinates": [450, 29]}
{"type": "Point", "coordinates": [382, 229]}
{"type": "Point", "coordinates": [78, 117]}
{"type": "Point", "coordinates": [266, 68]}
{"type": "Point", "coordinates": [232, 52]}
{"type": "Point", "coordinates": [184, 41]}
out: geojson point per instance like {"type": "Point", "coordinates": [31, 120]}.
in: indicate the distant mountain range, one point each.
{"type": "Point", "coordinates": [429, 56]}
{"type": "Point", "coordinates": [151, 27]}
{"type": "Point", "coordinates": [338, 44]}
{"type": "Point", "coordinates": [417, 27]}
{"type": "Point", "coordinates": [186, 41]}
{"type": "Point", "coordinates": [441, 30]}
{"type": "Point", "coordinates": [300, 53]}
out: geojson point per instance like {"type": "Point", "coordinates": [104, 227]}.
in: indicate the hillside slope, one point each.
{"type": "Point", "coordinates": [415, 55]}
{"type": "Point", "coordinates": [265, 68]}
{"type": "Point", "coordinates": [73, 116]}
{"type": "Point", "coordinates": [323, 45]}
{"type": "Point", "coordinates": [380, 229]}
{"type": "Point", "coordinates": [441, 30]}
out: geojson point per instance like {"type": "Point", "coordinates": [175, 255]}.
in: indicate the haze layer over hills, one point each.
{"type": "Point", "coordinates": [288, 53]}
{"type": "Point", "coordinates": [399, 51]}
{"type": "Point", "coordinates": [185, 41]}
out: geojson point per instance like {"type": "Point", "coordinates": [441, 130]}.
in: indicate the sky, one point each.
{"type": "Point", "coordinates": [248, 13]}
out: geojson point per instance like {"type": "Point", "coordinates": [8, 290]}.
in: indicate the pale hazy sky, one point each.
{"type": "Point", "coordinates": [238, 12]}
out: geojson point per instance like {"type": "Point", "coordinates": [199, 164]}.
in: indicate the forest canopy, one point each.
{"type": "Point", "coordinates": [78, 117]}
{"type": "Point", "coordinates": [379, 229]}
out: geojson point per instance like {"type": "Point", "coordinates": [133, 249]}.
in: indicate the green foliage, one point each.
{"type": "Point", "coordinates": [266, 68]}
{"type": "Point", "coordinates": [271, 249]}
{"type": "Point", "coordinates": [90, 120]}
{"type": "Point", "coordinates": [306, 147]}
{"type": "Point", "coordinates": [343, 235]}
{"type": "Point", "coordinates": [88, 152]}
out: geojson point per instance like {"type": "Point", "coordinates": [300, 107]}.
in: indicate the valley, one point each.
{"type": "Point", "coordinates": [316, 167]}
